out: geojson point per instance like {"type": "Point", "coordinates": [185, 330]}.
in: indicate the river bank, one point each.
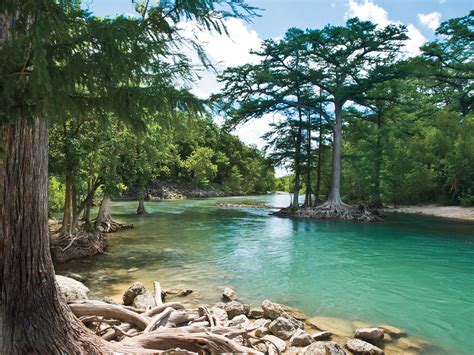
{"type": "Point", "coordinates": [456, 212]}
{"type": "Point", "coordinates": [171, 319]}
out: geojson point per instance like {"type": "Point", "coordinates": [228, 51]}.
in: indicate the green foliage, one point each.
{"type": "Point", "coordinates": [199, 165]}
{"type": "Point", "coordinates": [55, 194]}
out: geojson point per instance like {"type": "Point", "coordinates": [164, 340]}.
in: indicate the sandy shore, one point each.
{"type": "Point", "coordinates": [464, 213]}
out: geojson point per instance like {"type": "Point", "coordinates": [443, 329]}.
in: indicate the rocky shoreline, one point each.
{"type": "Point", "coordinates": [162, 320]}
{"type": "Point", "coordinates": [454, 212]}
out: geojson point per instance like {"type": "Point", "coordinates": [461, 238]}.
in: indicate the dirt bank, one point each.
{"type": "Point", "coordinates": [464, 213]}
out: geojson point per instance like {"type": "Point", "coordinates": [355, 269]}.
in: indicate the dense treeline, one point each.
{"type": "Point", "coordinates": [88, 158]}
{"type": "Point", "coordinates": [363, 122]}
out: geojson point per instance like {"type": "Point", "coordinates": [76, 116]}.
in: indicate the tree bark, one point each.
{"type": "Point", "coordinates": [141, 207]}
{"type": "Point", "coordinates": [104, 214]}
{"type": "Point", "coordinates": [335, 191]}
{"type": "Point", "coordinates": [317, 192]}
{"type": "Point", "coordinates": [34, 318]}
{"type": "Point", "coordinates": [67, 211]}
{"type": "Point", "coordinates": [307, 198]}
{"type": "Point", "coordinates": [376, 198]}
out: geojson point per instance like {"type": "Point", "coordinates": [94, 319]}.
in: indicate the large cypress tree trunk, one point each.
{"type": "Point", "coordinates": [334, 198]}
{"type": "Point", "coordinates": [317, 191]}
{"type": "Point", "coordinates": [376, 198]}
{"type": "Point", "coordinates": [34, 318]}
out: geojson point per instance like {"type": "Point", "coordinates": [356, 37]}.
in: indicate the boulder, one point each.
{"type": "Point", "coordinates": [262, 322]}
{"type": "Point", "coordinates": [394, 332]}
{"type": "Point", "coordinates": [272, 310]}
{"type": "Point", "coordinates": [73, 275]}
{"type": "Point", "coordinates": [220, 314]}
{"type": "Point", "coordinates": [322, 336]}
{"type": "Point", "coordinates": [370, 335]}
{"type": "Point", "coordinates": [301, 338]}
{"type": "Point", "coordinates": [360, 347]}
{"type": "Point", "coordinates": [325, 348]}
{"type": "Point", "coordinates": [234, 308]}
{"type": "Point", "coordinates": [255, 313]}
{"type": "Point", "coordinates": [280, 344]}
{"type": "Point", "coordinates": [133, 291]}
{"type": "Point", "coordinates": [72, 290]}
{"type": "Point", "coordinates": [229, 294]}
{"type": "Point", "coordinates": [261, 332]}
{"type": "Point", "coordinates": [283, 328]}
{"type": "Point", "coordinates": [144, 300]}
{"type": "Point", "coordinates": [240, 320]}
{"type": "Point", "coordinates": [293, 312]}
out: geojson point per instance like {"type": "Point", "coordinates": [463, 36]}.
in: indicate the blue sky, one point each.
{"type": "Point", "coordinates": [421, 17]}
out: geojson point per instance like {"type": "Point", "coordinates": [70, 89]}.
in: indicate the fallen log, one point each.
{"type": "Point", "coordinates": [109, 311]}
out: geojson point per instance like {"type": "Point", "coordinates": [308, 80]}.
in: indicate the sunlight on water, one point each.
{"type": "Point", "coordinates": [416, 273]}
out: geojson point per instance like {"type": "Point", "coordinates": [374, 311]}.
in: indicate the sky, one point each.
{"type": "Point", "coordinates": [421, 17]}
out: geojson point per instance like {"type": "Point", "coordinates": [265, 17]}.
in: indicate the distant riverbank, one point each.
{"type": "Point", "coordinates": [458, 212]}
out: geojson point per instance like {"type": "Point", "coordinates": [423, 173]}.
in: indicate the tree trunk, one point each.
{"type": "Point", "coordinates": [317, 192]}
{"type": "Point", "coordinates": [104, 214]}
{"type": "Point", "coordinates": [307, 198]}
{"type": "Point", "coordinates": [376, 199]}
{"type": "Point", "coordinates": [335, 191]}
{"type": "Point", "coordinates": [141, 206]}
{"type": "Point", "coordinates": [34, 318]}
{"type": "Point", "coordinates": [67, 211]}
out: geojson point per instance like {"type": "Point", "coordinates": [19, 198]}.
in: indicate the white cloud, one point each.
{"type": "Point", "coordinates": [228, 51]}
{"type": "Point", "coordinates": [431, 20]}
{"type": "Point", "coordinates": [367, 10]}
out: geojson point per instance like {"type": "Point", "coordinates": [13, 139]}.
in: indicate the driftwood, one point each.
{"type": "Point", "coordinates": [196, 342]}
{"type": "Point", "coordinates": [156, 320]}
{"type": "Point", "coordinates": [159, 309]}
{"type": "Point", "coordinates": [157, 293]}
{"type": "Point", "coordinates": [109, 311]}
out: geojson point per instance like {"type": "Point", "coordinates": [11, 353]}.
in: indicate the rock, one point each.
{"type": "Point", "coordinates": [280, 344]}
{"type": "Point", "coordinates": [301, 338]}
{"type": "Point", "coordinates": [371, 335]}
{"type": "Point", "coordinates": [261, 332]}
{"type": "Point", "coordinates": [133, 291]}
{"type": "Point", "coordinates": [73, 275]}
{"type": "Point", "coordinates": [272, 310]}
{"type": "Point", "coordinates": [322, 336]}
{"type": "Point", "coordinates": [293, 312]}
{"type": "Point", "coordinates": [240, 320]}
{"type": "Point", "coordinates": [255, 313]}
{"type": "Point", "coordinates": [337, 326]}
{"type": "Point", "coordinates": [235, 308]}
{"type": "Point", "coordinates": [184, 293]}
{"type": "Point", "coordinates": [133, 269]}
{"type": "Point", "coordinates": [144, 300]}
{"type": "Point", "coordinates": [283, 328]}
{"type": "Point", "coordinates": [394, 332]}
{"type": "Point", "coordinates": [360, 347]}
{"type": "Point", "coordinates": [387, 338]}
{"type": "Point", "coordinates": [411, 344]}
{"type": "Point", "coordinates": [229, 294]}
{"type": "Point", "coordinates": [262, 322]}
{"type": "Point", "coordinates": [72, 290]}
{"type": "Point", "coordinates": [325, 348]}
{"type": "Point", "coordinates": [220, 314]}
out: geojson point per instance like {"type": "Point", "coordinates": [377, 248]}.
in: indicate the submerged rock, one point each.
{"type": "Point", "coordinates": [371, 335]}
{"type": "Point", "coordinates": [283, 328]}
{"type": "Point", "coordinates": [337, 326]}
{"type": "Point", "coordinates": [325, 348]}
{"type": "Point", "coordinates": [322, 336]}
{"type": "Point", "coordinates": [301, 338]}
{"type": "Point", "coordinates": [133, 291]}
{"type": "Point", "coordinates": [229, 294]}
{"type": "Point", "coordinates": [360, 347]}
{"type": "Point", "coordinates": [72, 290]}
{"type": "Point", "coordinates": [394, 332]}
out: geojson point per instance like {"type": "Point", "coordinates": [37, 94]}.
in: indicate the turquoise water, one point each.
{"type": "Point", "coordinates": [413, 272]}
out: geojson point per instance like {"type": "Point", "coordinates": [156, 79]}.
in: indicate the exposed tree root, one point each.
{"type": "Point", "coordinates": [66, 247]}
{"type": "Point", "coordinates": [330, 210]}
{"type": "Point", "coordinates": [111, 226]}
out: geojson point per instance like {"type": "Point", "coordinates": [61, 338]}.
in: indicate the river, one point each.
{"type": "Point", "coordinates": [413, 272]}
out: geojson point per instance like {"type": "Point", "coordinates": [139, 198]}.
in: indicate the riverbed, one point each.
{"type": "Point", "coordinates": [413, 272]}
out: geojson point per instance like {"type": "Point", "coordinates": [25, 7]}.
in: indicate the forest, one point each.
{"type": "Point", "coordinates": [95, 109]}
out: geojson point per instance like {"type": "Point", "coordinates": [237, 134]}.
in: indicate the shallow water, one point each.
{"type": "Point", "coordinates": [414, 272]}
